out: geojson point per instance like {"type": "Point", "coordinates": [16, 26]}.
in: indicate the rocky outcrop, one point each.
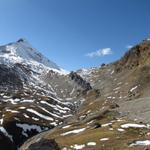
{"type": "Point", "coordinates": [21, 131]}
{"type": "Point", "coordinates": [67, 86]}
{"type": "Point", "coordinates": [9, 79]}
{"type": "Point", "coordinates": [42, 144]}
{"type": "Point", "coordinates": [80, 81]}
{"type": "Point", "coordinates": [136, 56]}
{"type": "Point", "coordinates": [6, 143]}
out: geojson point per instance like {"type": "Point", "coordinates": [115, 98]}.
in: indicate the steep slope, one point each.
{"type": "Point", "coordinates": [97, 126]}
{"type": "Point", "coordinates": [111, 113]}
{"type": "Point", "coordinates": [22, 52]}
{"type": "Point", "coordinates": [126, 80]}
{"type": "Point", "coordinates": [117, 79]}
{"type": "Point", "coordinates": [30, 102]}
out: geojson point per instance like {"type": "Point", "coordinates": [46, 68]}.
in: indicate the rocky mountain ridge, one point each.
{"type": "Point", "coordinates": [104, 108]}
{"type": "Point", "coordinates": [115, 113]}
{"type": "Point", "coordinates": [29, 104]}
{"type": "Point", "coordinates": [22, 52]}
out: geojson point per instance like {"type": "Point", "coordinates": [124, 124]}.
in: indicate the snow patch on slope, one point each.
{"type": "Point", "coordinates": [27, 127]}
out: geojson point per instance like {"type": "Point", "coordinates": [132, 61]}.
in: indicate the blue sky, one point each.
{"type": "Point", "coordinates": [76, 33]}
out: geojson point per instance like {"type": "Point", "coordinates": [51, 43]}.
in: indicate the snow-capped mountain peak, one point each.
{"type": "Point", "coordinates": [22, 52]}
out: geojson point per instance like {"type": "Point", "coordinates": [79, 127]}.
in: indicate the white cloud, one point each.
{"type": "Point", "coordinates": [129, 46]}
{"type": "Point", "coordinates": [100, 52]}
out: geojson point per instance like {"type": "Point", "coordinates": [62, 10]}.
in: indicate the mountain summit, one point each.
{"type": "Point", "coordinates": [23, 53]}
{"type": "Point", "coordinates": [35, 94]}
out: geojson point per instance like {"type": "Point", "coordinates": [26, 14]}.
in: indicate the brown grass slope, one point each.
{"type": "Point", "coordinates": [120, 94]}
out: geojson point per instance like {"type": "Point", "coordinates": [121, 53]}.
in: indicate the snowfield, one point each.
{"type": "Point", "coordinates": [40, 115]}
{"type": "Point", "coordinates": [74, 131]}
{"type": "Point", "coordinates": [133, 125]}
{"type": "Point", "coordinates": [77, 146]}
{"type": "Point", "coordinates": [27, 127]}
{"type": "Point", "coordinates": [142, 143]}
{"type": "Point", "coordinates": [91, 143]}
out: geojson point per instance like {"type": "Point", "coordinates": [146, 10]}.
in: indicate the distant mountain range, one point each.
{"type": "Point", "coordinates": [43, 107]}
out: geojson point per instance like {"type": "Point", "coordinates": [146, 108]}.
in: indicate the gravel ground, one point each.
{"type": "Point", "coordinates": [137, 109]}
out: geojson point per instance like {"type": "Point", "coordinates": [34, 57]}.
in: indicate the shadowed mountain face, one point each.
{"type": "Point", "coordinates": [95, 109]}
{"type": "Point", "coordinates": [9, 78]}
{"type": "Point", "coordinates": [35, 94]}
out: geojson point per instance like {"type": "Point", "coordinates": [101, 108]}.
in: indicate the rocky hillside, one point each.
{"type": "Point", "coordinates": [104, 108]}
{"type": "Point", "coordinates": [115, 112]}
{"type": "Point", "coordinates": [35, 94]}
